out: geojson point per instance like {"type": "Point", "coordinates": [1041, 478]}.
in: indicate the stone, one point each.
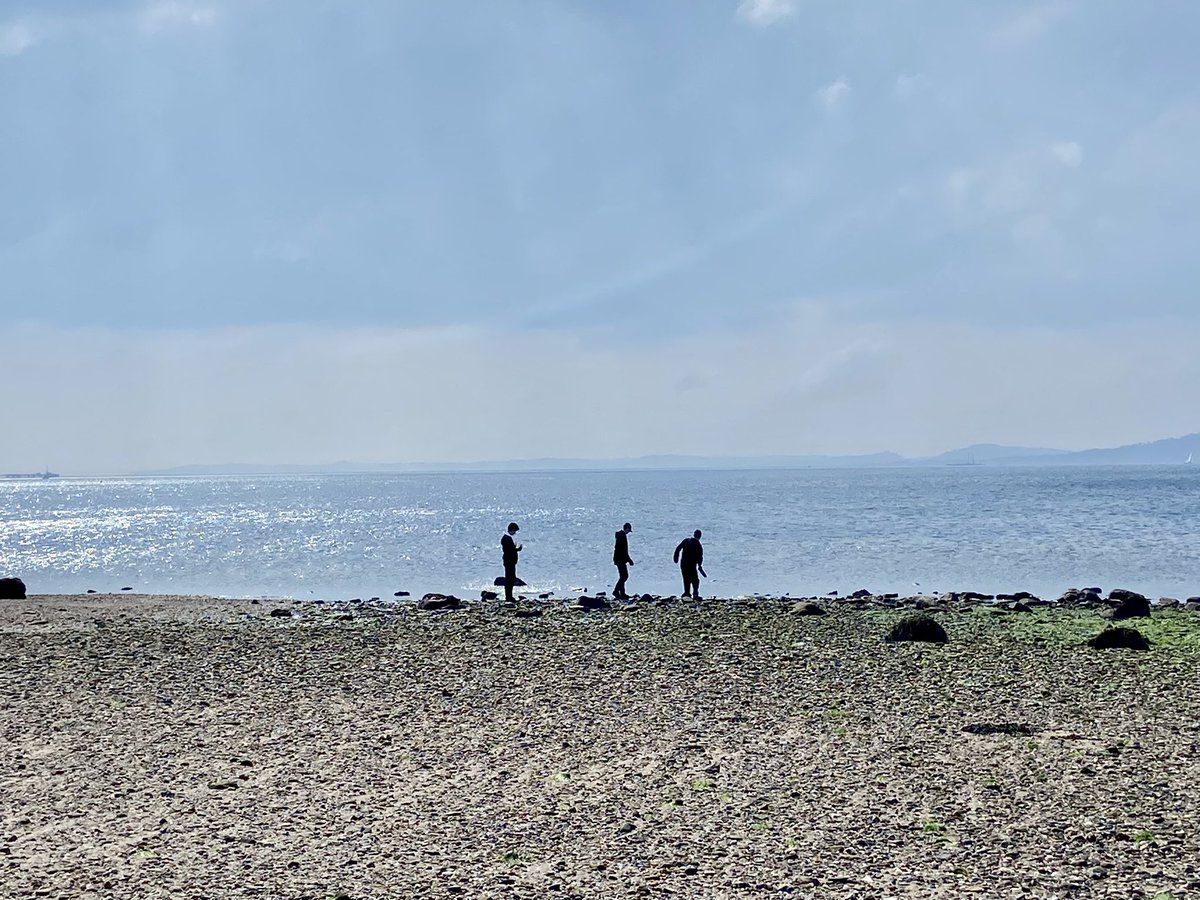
{"type": "Point", "coordinates": [1192, 603]}
{"type": "Point", "coordinates": [975, 595]}
{"type": "Point", "coordinates": [127, 589]}
{"type": "Point", "coordinates": [1131, 605]}
{"type": "Point", "coordinates": [401, 594]}
{"type": "Point", "coordinates": [808, 608]}
{"type": "Point", "coordinates": [12, 589]}
{"type": "Point", "coordinates": [281, 614]}
{"type": "Point", "coordinates": [1010, 728]}
{"type": "Point", "coordinates": [488, 595]}
{"type": "Point", "coordinates": [499, 582]}
{"type": "Point", "coordinates": [1167, 603]}
{"type": "Point", "coordinates": [589, 603]}
{"type": "Point", "coordinates": [861, 594]}
{"type": "Point", "coordinates": [1119, 638]}
{"type": "Point", "coordinates": [918, 628]}
{"type": "Point", "coordinates": [433, 602]}
{"type": "Point", "coordinates": [527, 613]}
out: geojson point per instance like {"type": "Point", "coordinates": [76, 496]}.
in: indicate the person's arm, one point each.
{"type": "Point", "coordinates": [678, 550]}
{"type": "Point", "coordinates": [700, 569]}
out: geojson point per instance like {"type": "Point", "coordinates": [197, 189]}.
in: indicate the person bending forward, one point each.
{"type": "Point", "coordinates": [690, 556]}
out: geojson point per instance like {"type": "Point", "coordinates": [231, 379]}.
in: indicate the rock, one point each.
{"type": "Point", "coordinates": [499, 582]}
{"type": "Point", "coordinates": [546, 596]}
{"type": "Point", "coordinates": [588, 603]}
{"type": "Point", "coordinates": [401, 594]}
{"type": "Point", "coordinates": [1001, 728]}
{"type": "Point", "coordinates": [527, 613]}
{"type": "Point", "coordinates": [975, 595]}
{"type": "Point", "coordinates": [1167, 603]}
{"type": "Point", "coordinates": [12, 589]}
{"type": "Point", "coordinates": [861, 594]}
{"type": "Point", "coordinates": [1017, 606]}
{"type": "Point", "coordinates": [1119, 638]}
{"type": "Point", "coordinates": [488, 595]}
{"type": "Point", "coordinates": [808, 608]}
{"type": "Point", "coordinates": [918, 628]}
{"type": "Point", "coordinates": [1132, 606]}
{"type": "Point", "coordinates": [1093, 590]}
{"type": "Point", "coordinates": [1193, 603]}
{"type": "Point", "coordinates": [127, 589]}
{"type": "Point", "coordinates": [281, 614]}
{"type": "Point", "coordinates": [1025, 595]}
{"type": "Point", "coordinates": [91, 590]}
{"type": "Point", "coordinates": [432, 602]}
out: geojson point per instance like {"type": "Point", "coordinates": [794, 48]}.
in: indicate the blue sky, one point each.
{"type": "Point", "coordinates": [464, 230]}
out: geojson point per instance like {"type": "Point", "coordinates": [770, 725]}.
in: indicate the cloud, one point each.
{"type": "Point", "coordinates": [1068, 153]}
{"type": "Point", "coordinates": [833, 95]}
{"type": "Point", "coordinates": [762, 13]}
{"type": "Point", "coordinates": [1035, 22]}
{"type": "Point", "coordinates": [908, 86]}
{"type": "Point", "coordinates": [166, 15]}
{"type": "Point", "coordinates": [115, 402]}
{"type": "Point", "coordinates": [16, 38]}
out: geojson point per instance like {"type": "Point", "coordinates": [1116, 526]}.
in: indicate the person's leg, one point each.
{"type": "Point", "coordinates": [686, 585]}
{"type": "Point", "coordinates": [510, 579]}
{"type": "Point", "coordinates": [623, 573]}
{"type": "Point", "coordinates": [695, 586]}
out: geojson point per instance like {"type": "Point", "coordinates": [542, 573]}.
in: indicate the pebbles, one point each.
{"type": "Point", "coordinates": [731, 750]}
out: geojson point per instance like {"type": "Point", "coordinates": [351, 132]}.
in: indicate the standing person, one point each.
{"type": "Point", "coordinates": [622, 561]}
{"type": "Point", "coordinates": [690, 556]}
{"type": "Point", "coordinates": [510, 549]}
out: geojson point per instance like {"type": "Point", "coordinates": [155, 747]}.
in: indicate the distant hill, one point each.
{"type": "Point", "coordinates": [1169, 451]}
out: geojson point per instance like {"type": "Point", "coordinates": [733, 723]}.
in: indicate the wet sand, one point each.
{"type": "Point", "coordinates": [193, 747]}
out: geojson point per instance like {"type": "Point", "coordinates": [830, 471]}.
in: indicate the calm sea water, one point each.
{"type": "Point", "coordinates": [798, 532]}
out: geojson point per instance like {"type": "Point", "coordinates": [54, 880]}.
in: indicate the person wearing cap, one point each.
{"type": "Point", "coordinates": [690, 556]}
{"type": "Point", "coordinates": [510, 549]}
{"type": "Point", "coordinates": [622, 561]}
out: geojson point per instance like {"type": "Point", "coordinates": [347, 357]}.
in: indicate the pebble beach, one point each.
{"type": "Point", "coordinates": [181, 747]}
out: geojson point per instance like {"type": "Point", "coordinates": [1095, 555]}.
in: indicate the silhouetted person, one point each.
{"type": "Point", "coordinates": [690, 556]}
{"type": "Point", "coordinates": [511, 548]}
{"type": "Point", "coordinates": [622, 560]}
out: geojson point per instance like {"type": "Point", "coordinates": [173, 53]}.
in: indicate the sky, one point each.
{"type": "Point", "coordinates": [307, 231]}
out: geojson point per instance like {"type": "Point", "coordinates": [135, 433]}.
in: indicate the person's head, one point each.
{"type": "Point", "coordinates": [513, 527]}
{"type": "Point", "coordinates": [627, 528]}
{"type": "Point", "coordinates": [696, 534]}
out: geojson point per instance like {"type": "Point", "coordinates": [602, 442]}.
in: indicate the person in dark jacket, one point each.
{"type": "Point", "coordinates": [690, 556]}
{"type": "Point", "coordinates": [622, 561]}
{"type": "Point", "coordinates": [510, 548]}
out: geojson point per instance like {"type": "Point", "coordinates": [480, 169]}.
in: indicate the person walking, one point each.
{"type": "Point", "coordinates": [690, 556]}
{"type": "Point", "coordinates": [622, 561]}
{"type": "Point", "coordinates": [510, 549]}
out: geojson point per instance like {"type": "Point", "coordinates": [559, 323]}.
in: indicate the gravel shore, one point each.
{"type": "Point", "coordinates": [197, 747]}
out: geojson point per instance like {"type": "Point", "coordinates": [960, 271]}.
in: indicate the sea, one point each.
{"type": "Point", "coordinates": [800, 532]}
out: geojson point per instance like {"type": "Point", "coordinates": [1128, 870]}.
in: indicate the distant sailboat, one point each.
{"type": "Point", "coordinates": [1188, 460]}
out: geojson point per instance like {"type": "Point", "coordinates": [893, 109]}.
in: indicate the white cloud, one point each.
{"type": "Point", "coordinates": [16, 38]}
{"type": "Point", "coordinates": [908, 86]}
{"type": "Point", "coordinates": [833, 95]}
{"type": "Point", "coordinates": [165, 15]}
{"type": "Point", "coordinates": [765, 12]}
{"type": "Point", "coordinates": [1068, 153]}
{"type": "Point", "coordinates": [310, 394]}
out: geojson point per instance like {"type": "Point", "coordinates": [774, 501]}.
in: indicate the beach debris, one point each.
{"type": "Point", "coordinates": [917, 628]}
{"type": "Point", "coordinates": [808, 608]}
{"type": "Point", "coordinates": [1119, 639]}
{"type": "Point", "coordinates": [12, 589]}
{"type": "Point", "coordinates": [589, 603]}
{"type": "Point", "coordinates": [1010, 728]}
{"type": "Point", "coordinates": [1130, 605]}
{"type": "Point", "coordinates": [434, 602]}
{"type": "Point", "coordinates": [281, 613]}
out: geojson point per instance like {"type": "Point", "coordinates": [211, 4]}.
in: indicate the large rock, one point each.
{"type": "Point", "coordinates": [588, 603]}
{"type": "Point", "coordinates": [499, 582]}
{"type": "Point", "coordinates": [12, 589]}
{"type": "Point", "coordinates": [808, 608]}
{"type": "Point", "coordinates": [439, 601]}
{"type": "Point", "coordinates": [1119, 638]}
{"type": "Point", "coordinates": [917, 628]}
{"type": "Point", "coordinates": [1130, 605]}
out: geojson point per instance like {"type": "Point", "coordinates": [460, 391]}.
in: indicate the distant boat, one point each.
{"type": "Point", "coordinates": [1188, 460]}
{"type": "Point", "coordinates": [44, 476]}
